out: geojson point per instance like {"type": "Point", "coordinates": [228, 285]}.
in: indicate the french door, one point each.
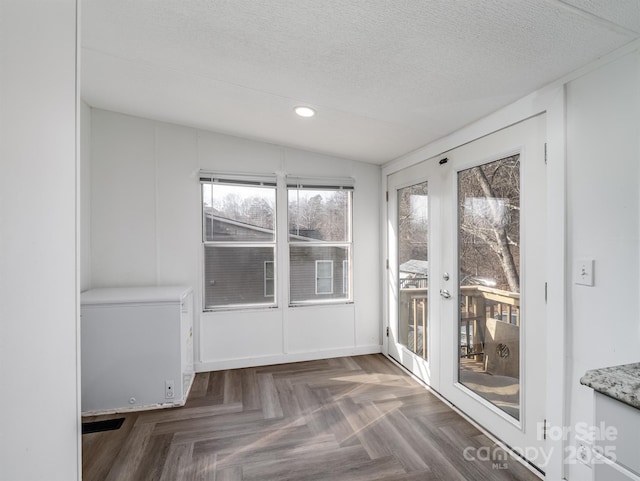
{"type": "Point", "coordinates": [466, 279]}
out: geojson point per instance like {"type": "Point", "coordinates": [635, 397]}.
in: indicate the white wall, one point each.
{"type": "Point", "coordinates": [39, 409]}
{"type": "Point", "coordinates": [603, 163]}
{"type": "Point", "coordinates": [146, 228]}
{"type": "Point", "coordinates": [85, 196]}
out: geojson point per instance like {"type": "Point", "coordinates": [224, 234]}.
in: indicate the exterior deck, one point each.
{"type": "Point", "coordinates": [489, 324]}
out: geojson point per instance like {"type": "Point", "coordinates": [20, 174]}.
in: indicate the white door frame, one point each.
{"type": "Point", "coordinates": [551, 101]}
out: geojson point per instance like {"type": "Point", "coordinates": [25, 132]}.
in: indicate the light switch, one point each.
{"type": "Point", "coordinates": [583, 273]}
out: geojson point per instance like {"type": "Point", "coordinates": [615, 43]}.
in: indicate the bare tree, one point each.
{"type": "Point", "coordinates": [255, 210]}
{"type": "Point", "coordinates": [489, 197]}
{"type": "Point", "coordinates": [413, 227]}
{"type": "Point", "coordinates": [322, 215]}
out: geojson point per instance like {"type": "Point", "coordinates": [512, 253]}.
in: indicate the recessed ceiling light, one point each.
{"type": "Point", "coordinates": [304, 111]}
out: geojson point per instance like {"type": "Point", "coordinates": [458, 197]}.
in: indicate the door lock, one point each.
{"type": "Point", "coordinates": [445, 293]}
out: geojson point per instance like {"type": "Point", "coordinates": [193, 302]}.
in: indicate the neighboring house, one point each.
{"type": "Point", "coordinates": [316, 272]}
{"type": "Point", "coordinates": [414, 273]}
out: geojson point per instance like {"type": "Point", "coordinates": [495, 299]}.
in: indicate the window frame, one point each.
{"type": "Point", "coordinates": [296, 183]}
{"type": "Point", "coordinates": [240, 181]}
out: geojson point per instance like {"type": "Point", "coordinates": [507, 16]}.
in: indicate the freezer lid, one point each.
{"type": "Point", "coordinates": [133, 295]}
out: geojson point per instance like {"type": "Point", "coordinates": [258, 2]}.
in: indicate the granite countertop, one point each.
{"type": "Point", "coordinates": [618, 382]}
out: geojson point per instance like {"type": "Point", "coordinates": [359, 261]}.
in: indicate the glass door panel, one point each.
{"type": "Point", "coordinates": [413, 268]}
{"type": "Point", "coordinates": [489, 278]}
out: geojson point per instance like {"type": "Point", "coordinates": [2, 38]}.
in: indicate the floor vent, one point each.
{"type": "Point", "coordinates": [99, 426]}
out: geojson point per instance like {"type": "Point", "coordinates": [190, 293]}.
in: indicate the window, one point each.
{"type": "Point", "coordinates": [319, 241]}
{"type": "Point", "coordinates": [269, 279]}
{"type": "Point", "coordinates": [239, 241]}
{"type": "Point", "coordinates": [324, 277]}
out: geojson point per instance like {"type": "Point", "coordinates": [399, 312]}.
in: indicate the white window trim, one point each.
{"type": "Point", "coordinates": [239, 180]}
{"type": "Point", "coordinates": [328, 184]}
{"type": "Point", "coordinates": [318, 262]}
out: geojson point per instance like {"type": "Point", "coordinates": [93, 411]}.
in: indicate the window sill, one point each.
{"type": "Point", "coordinates": [256, 307]}
{"type": "Point", "coordinates": [321, 304]}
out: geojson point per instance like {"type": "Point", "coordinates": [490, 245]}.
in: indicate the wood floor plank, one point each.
{"type": "Point", "coordinates": [232, 392]}
{"type": "Point", "coordinates": [253, 441]}
{"type": "Point", "coordinates": [364, 420]}
{"type": "Point", "coordinates": [344, 419]}
{"type": "Point", "coordinates": [154, 457]}
{"type": "Point", "coordinates": [126, 464]}
{"type": "Point", "coordinates": [199, 386]}
{"type": "Point", "coordinates": [430, 451]}
{"type": "Point", "coordinates": [356, 469]}
{"type": "Point", "coordinates": [186, 413]}
{"type": "Point", "coordinates": [212, 431]}
{"type": "Point", "coordinates": [307, 398]}
{"type": "Point", "coordinates": [315, 466]}
{"type": "Point", "coordinates": [330, 419]}
{"type": "Point", "coordinates": [232, 473]}
{"type": "Point", "coordinates": [282, 449]}
{"type": "Point", "coordinates": [250, 391]}
{"type": "Point", "coordinates": [346, 363]}
{"type": "Point", "coordinates": [217, 422]}
{"type": "Point", "coordinates": [215, 389]}
{"type": "Point", "coordinates": [100, 449]}
{"type": "Point", "coordinates": [178, 463]}
{"type": "Point", "coordinates": [295, 367]}
{"type": "Point", "coordinates": [378, 364]}
{"type": "Point", "coordinates": [203, 468]}
{"type": "Point", "coordinates": [269, 396]}
{"type": "Point", "coordinates": [289, 402]}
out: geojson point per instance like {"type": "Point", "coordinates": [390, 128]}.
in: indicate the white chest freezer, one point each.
{"type": "Point", "coordinates": [137, 348]}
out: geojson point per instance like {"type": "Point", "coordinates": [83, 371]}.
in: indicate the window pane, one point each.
{"type": "Point", "coordinates": [489, 312]}
{"type": "Point", "coordinates": [322, 215]}
{"type": "Point", "coordinates": [268, 269]}
{"type": "Point", "coordinates": [325, 269]}
{"type": "Point", "coordinates": [305, 281]}
{"type": "Point", "coordinates": [238, 213]}
{"type": "Point", "coordinates": [236, 275]}
{"type": "Point", "coordinates": [413, 268]}
{"type": "Point", "coordinates": [269, 288]}
{"type": "Point", "coordinates": [324, 286]}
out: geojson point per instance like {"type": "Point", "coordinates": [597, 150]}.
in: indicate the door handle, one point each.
{"type": "Point", "coordinates": [445, 293]}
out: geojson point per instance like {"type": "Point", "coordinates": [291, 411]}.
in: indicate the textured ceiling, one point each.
{"type": "Point", "coordinates": [386, 76]}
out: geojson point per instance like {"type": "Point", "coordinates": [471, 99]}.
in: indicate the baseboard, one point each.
{"type": "Point", "coordinates": [223, 364]}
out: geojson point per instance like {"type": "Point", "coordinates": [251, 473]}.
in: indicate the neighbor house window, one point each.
{"type": "Point", "coordinates": [345, 277]}
{"type": "Point", "coordinates": [320, 245]}
{"type": "Point", "coordinates": [269, 279]}
{"type": "Point", "coordinates": [324, 277]}
{"type": "Point", "coordinates": [239, 241]}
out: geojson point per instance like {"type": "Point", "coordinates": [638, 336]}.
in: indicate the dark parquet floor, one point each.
{"type": "Point", "coordinates": [347, 419]}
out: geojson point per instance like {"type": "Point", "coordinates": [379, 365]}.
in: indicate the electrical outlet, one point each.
{"type": "Point", "coordinates": [583, 451]}
{"type": "Point", "coordinates": [168, 389]}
